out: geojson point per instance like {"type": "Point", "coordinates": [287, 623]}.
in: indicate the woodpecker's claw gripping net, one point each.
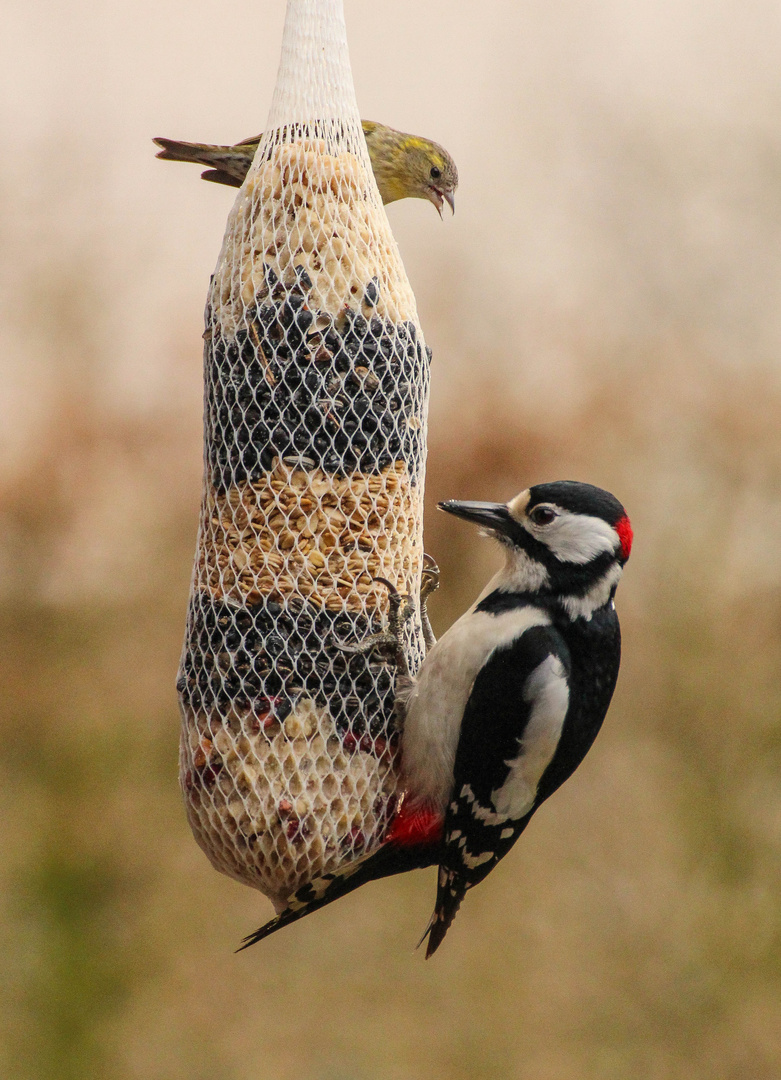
{"type": "Point", "coordinates": [316, 391]}
{"type": "Point", "coordinates": [401, 610]}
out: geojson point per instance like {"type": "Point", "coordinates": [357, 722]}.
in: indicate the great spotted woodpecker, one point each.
{"type": "Point", "coordinates": [507, 703]}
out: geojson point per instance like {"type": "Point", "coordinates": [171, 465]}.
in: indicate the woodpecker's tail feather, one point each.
{"type": "Point", "coordinates": [450, 893]}
{"type": "Point", "coordinates": [388, 860]}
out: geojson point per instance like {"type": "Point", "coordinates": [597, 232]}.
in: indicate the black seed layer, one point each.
{"type": "Point", "coordinates": [343, 393]}
{"type": "Point", "coordinates": [239, 659]}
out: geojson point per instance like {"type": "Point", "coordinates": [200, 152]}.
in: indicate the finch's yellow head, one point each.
{"type": "Point", "coordinates": [430, 171]}
{"type": "Point", "coordinates": [407, 166]}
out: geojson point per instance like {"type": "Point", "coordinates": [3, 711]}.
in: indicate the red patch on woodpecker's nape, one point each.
{"type": "Point", "coordinates": [414, 825]}
{"type": "Point", "coordinates": [624, 529]}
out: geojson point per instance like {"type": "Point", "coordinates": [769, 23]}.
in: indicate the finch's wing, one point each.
{"type": "Point", "coordinates": [511, 728]}
{"type": "Point", "coordinates": [218, 176]}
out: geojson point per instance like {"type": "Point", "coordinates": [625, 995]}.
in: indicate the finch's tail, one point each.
{"type": "Point", "coordinates": [388, 860]}
{"type": "Point", "coordinates": [226, 164]}
{"type": "Point", "coordinates": [201, 153]}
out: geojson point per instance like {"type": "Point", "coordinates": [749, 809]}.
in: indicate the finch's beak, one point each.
{"type": "Point", "coordinates": [435, 196]}
{"type": "Point", "coordinates": [438, 198]}
{"type": "Point", "coordinates": [494, 516]}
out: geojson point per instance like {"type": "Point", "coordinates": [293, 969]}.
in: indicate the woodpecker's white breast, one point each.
{"type": "Point", "coordinates": [436, 705]}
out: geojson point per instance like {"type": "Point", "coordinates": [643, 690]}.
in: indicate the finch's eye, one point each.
{"type": "Point", "coordinates": [435, 173]}
{"type": "Point", "coordinates": [542, 515]}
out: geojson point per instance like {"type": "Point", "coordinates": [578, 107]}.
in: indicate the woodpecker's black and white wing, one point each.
{"type": "Point", "coordinates": [511, 729]}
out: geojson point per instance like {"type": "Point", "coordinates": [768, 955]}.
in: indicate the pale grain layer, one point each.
{"type": "Point", "coordinates": [313, 535]}
{"type": "Point", "coordinates": [305, 208]}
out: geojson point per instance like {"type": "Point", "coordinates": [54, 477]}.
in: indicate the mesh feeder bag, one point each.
{"type": "Point", "coordinates": [316, 389]}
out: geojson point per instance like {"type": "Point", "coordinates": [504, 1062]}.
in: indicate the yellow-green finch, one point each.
{"type": "Point", "coordinates": [404, 166]}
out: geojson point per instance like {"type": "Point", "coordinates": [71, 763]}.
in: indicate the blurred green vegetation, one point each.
{"type": "Point", "coordinates": [635, 931]}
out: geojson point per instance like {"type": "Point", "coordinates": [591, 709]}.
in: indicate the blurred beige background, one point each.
{"type": "Point", "coordinates": [604, 307]}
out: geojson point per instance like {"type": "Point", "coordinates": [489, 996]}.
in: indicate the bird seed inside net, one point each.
{"type": "Point", "coordinates": [316, 386]}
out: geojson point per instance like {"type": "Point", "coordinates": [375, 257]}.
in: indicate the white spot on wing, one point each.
{"type": "Point", "coordinates": [473, 861]}
{"type": "Point", "coordinates": [479, 812]}
{"type": "Point", "coordinates": [547, 690]}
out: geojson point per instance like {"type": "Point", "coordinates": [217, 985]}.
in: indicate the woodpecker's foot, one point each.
{"type": "Point", "coordinates": [429, 583]}
{"type": "Point", "coordinates": [401, 609]}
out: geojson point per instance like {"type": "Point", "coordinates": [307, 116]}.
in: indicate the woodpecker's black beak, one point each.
{"type": "Point", "coordinates": [494, 516]}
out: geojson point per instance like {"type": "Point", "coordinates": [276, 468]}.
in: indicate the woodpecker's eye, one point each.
{"type": "Point", "coordinates": [542, 515]}
{"type": "Point", "coordinates": [435, 173]}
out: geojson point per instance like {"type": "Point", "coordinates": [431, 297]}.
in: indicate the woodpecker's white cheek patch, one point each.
{"type": "Point", "coordinates": [576, 538]}
{"type": "Point", "coordinates": [597, 596]}
{"type": "Point", "coordinates": [547, 690]}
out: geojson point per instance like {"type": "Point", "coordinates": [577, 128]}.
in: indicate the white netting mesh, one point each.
{"type": "Point", "coordinates": [316, 388]}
